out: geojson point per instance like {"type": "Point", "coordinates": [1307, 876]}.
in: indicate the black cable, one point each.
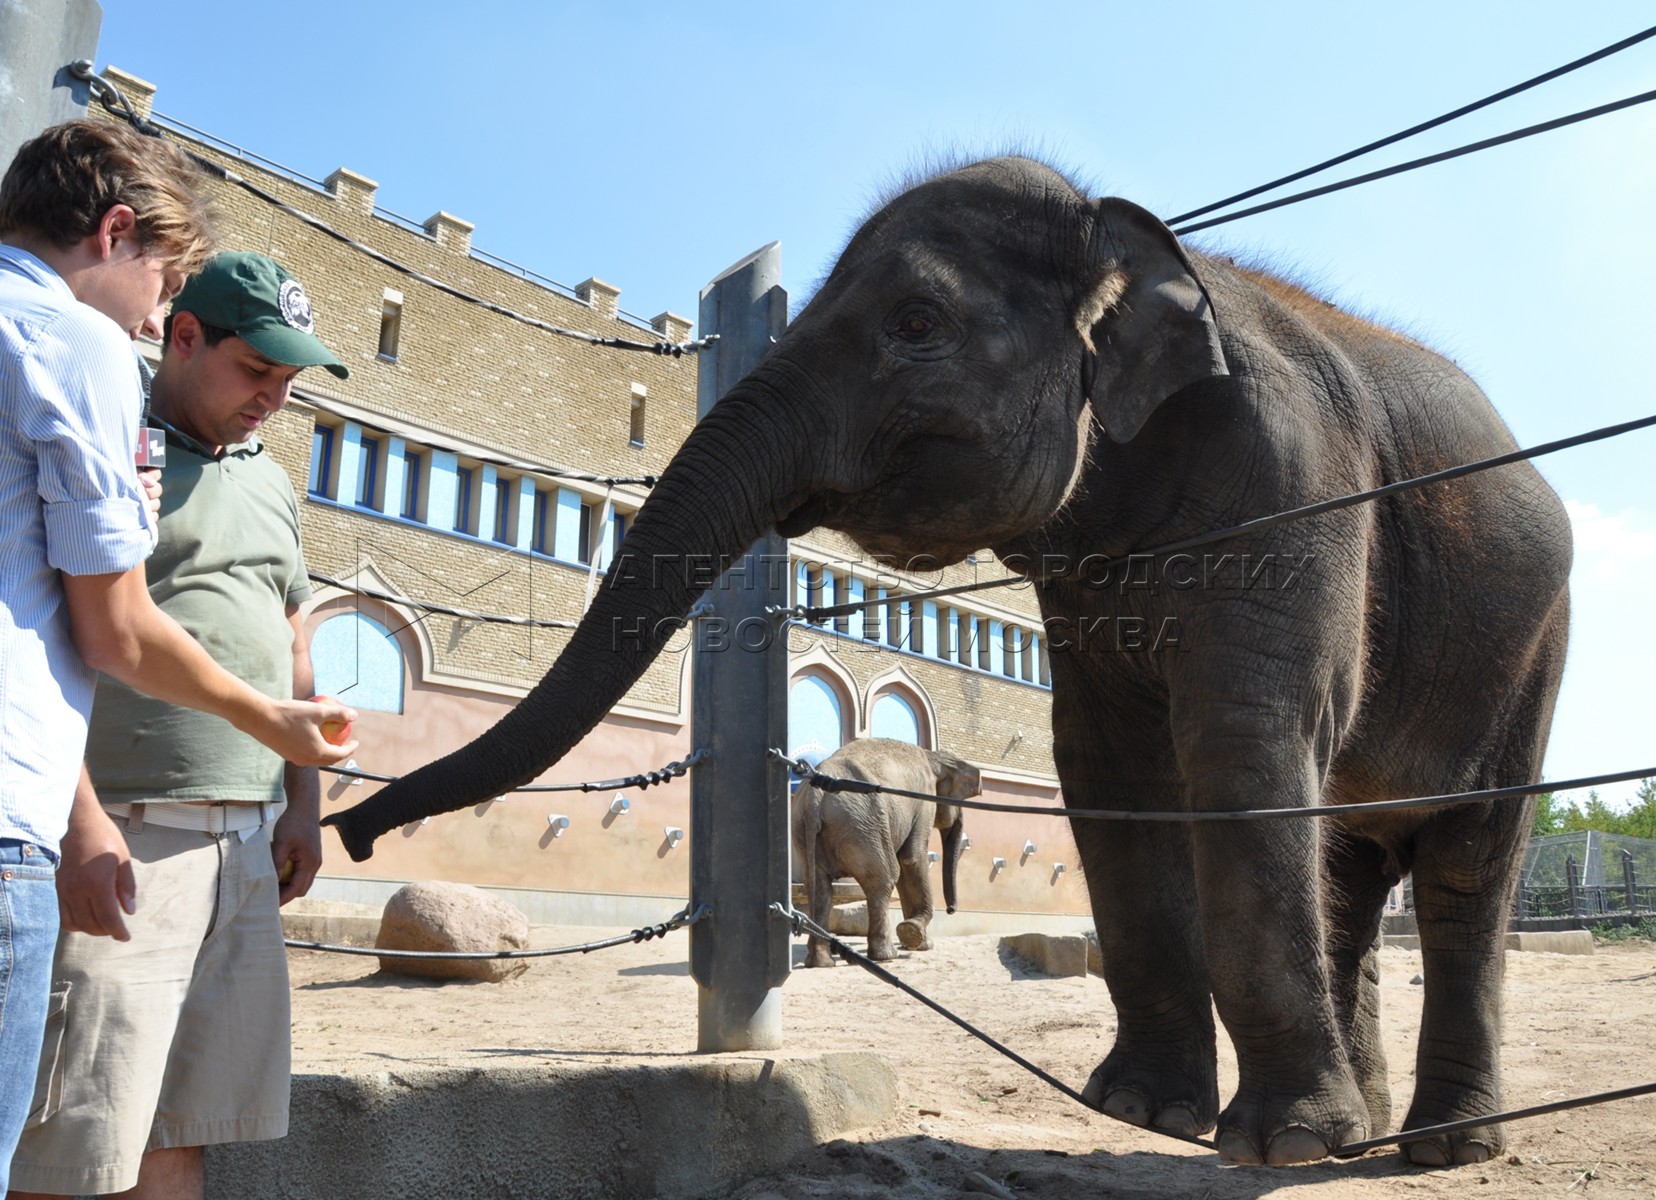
{"type": "Point", "coordinates": [1613, 48]}
{"type": "Point", "coordinates": [830, 783]}
{"type": "Point", "coordinates": [1515, 135]}
{"type": "Point", "coordinates": [673, 770]}
{"type": "Point", "coordinates": [112, 99]}
{"type": "Point", "coordinates": [679, 920]}
{"type": "Point", "coordinates": [1258, 524]}
{"type": "Point", "coordinates": [803, 924]}
{"type": "Point", "coordinates": [464, 614]}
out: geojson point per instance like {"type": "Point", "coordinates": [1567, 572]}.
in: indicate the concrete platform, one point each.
{"type": "Point", "coordinates": [1560, 941]}
{"type": "Point", "coordinates": [697, 1128]}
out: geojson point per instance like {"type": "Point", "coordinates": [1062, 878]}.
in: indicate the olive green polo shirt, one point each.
{"type": "Point", "coordinates": [226, 567]}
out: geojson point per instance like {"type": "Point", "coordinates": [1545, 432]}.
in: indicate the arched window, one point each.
{"type": "Point", "coordinates": [894, 717]}
{"type": "Point", "coordinates": [816, 722]}
{"type": "Point", "coordinates": [358, 661]}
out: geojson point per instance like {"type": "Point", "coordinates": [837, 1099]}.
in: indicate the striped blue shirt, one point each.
{"type": "Point", "coordinates": [69, 501]}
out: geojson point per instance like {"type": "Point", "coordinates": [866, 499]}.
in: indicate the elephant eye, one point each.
{"type": "Point", "coordinates": [920, 328]}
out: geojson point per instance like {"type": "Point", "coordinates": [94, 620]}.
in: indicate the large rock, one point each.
{"type": "Point", "coordinates": [452, 918]}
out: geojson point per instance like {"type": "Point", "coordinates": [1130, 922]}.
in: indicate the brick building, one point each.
{"type": "Point", "coordinates": [447, 471]}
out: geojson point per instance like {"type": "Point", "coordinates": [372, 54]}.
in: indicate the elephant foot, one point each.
{"type": "Point", "coordinates": [1461, 1149]}
{"type": "Point", "coordinates": [817, 954]}
{"type": "Point", "coordinates": [1183, 1103]}
{"type": "Point", "coordinates": [881, 952]}
{"type": "Point", "coordinates": [913, 935]}
{"type": "Point", "coordinates": [1268, 1130]}
{"type": "Point", "coordinates": [1458, 1149]}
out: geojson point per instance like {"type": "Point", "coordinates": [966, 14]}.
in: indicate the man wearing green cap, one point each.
{"type": "Point", "coordinates": [172, 1032]}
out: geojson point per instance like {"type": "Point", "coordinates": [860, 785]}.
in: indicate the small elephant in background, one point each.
{"type": "Point", "coordinates": [880, 840]}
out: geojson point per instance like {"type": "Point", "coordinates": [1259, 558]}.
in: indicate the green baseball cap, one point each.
{"type": "Point", "coordinates": [252, 297]}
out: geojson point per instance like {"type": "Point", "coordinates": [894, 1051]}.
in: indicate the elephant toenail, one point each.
{"type": "Point", "coordinates": [1126, 1105]}
{"type": "Point", "coordinates": [1468, 1153]}
{"type": "Point", "coordinates": [1179, 1119]}
{"type": "Point", "coordinates": [1236, 1146]}
{"type": "Point", "coordinates": [1296, 1144]}
{"type": "Point", "coordinates": [1425, 1153]}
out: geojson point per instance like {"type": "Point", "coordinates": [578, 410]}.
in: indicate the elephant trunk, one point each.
{"type": "Point", "coordinates": [954, 836]}
{"type": "Point", "coordinates": [730, 482]}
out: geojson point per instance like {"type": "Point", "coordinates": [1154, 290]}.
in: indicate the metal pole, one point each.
{"type": "Point", "coordinates": [739, 796]}
{"type": "Point", "coordinates": [1629, 882]}
{"type": "Point", "coordinates": [38, 41]}
{"type": "Point", "coordinates": [1570, 882]}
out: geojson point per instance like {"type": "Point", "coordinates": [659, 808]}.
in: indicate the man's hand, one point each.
{"type": "Point", "coordinates": [95, 883]}
{"type": "Point", "coordinates": [293, 729]}
{"type": "Point", "coordinates": [150, 480]}
{"type": "Point", "coordinates": [296, 843]}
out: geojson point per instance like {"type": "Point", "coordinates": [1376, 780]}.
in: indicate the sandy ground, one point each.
{"type": "Point", "coordinates": [1574, 1025]}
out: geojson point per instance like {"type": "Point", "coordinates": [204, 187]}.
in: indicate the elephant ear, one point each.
{"type": "Point", "coordinates": [1147, 322]}
{"type": "Point", "coordinates": [957, 779]}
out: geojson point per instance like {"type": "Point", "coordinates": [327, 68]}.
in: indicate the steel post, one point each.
{"type": "Point", "coordinates": [739, 796]}
{"type": "Point", "coordinates": [38, 41]}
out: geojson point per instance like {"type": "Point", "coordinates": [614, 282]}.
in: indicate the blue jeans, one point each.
{"type": "Point", "coordinates": [28, 937]}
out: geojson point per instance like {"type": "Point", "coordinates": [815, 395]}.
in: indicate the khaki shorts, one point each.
{"type": "Point", "coordinates": [179, 1037]}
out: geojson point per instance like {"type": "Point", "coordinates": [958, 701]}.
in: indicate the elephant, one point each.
{"type": "Point", "coordinates": [881, 840]}
{"type": "Point", "coordinates": [999, 360]}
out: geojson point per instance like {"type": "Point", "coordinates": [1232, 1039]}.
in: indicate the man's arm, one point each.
{"type": "Point", "coordinates": [296, 841]}
{"type": "Point", "coordinates": [95, 883]}
{"type": "Point", "coordinates": [118, 630]}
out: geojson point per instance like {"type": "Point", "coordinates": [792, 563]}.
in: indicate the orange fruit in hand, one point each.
{"type": "Point", "coordinates": [335, 733]}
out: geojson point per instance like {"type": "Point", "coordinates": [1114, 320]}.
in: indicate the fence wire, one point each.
{"type": "Point", "coordinates": [1385, 172]}
{"type": "Point", "coordinates": [830, 783]}
{"type": "Point", "coordinates": [803, 925]}
{"type": "Point", "coordinates": [682, 919]}
{"type": "Point", "coordinates": [431, 606]}
{"type": "Point", "coordinates": [673, 770]}
{"type": "Point", "coordinates": [1257, 525]}
{"type": "Point", "coordinates": [1392, 139]}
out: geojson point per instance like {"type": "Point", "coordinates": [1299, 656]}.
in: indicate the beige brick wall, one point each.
{"type": "Point", "coordinates": [465, 374]}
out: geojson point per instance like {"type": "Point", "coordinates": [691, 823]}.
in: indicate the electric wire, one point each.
{"type": "Point", "coordinates": [803, 925]}
{"type": "Point", "coordinates": [431, 606]}
{"type": "Point", "coordinates": [673, 770]}
{"type": "Point", "coordinates": [1392, 139]}
{"type": "Point", "coordinates": [1258, 524]}
{"type": "Point", "coordinates": [682, 919]}
{"type": "Point", "coordinates": [116, 102]}
{"type": "Point", "coordinates": [1428, 160]}
{"type": "Point", "coordinates": [830, 783]}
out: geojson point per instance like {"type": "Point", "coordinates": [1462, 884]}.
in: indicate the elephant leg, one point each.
{"type": "Point", "coordinates": [1260, 889]}
{"type": "Point", "coordinates": [820, 889]}
{"type": "Point", "coordinates": [877, 891]}
{"type": "Point", "coordinates": [1161, 1072]}
{"type": "Point", "coordinates": [1356, 870]}
{"type": "Point", "coordinates": [914, 893]}
{"type": "Point", "coordinates": [1462, 900]}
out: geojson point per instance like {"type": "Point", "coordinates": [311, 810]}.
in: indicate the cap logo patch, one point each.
{"type": "Point", "coordinates": [295, 306]}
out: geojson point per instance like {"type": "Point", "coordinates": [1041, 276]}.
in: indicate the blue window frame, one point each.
{"type": "Point", "coordinates": [322, 448]}
{"type": "Point", "coordinates": [368, 473]}
{"type": "Point", "coordinates": [503, 529]}
{"type": "Point", "coordinates": [538, 539]}
{"type": "Point", "coordinates": [411, 485]}
{"type": "Point", "coordinates": [463, 498]}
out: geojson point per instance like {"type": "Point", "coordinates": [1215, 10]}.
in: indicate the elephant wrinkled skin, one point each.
{"type": "Point", "coordinates": [999, 360]}
{"type": "Point", "coordinates": [881, 840]}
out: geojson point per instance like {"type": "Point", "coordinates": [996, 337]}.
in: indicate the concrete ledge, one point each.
{"type": "Point", "coordinates": [1061, 956]}
{"type": "Point", "coordinates": [1564, 941]}
{"type": "Point", "coordinates": [693, 1128]}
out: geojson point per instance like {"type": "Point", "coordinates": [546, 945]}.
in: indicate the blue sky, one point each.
{"type": "Point", "coordinates": [652, 146]}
